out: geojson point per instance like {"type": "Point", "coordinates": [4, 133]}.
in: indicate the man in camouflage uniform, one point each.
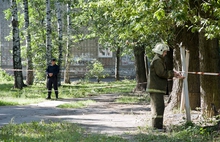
{"type": "Point", "coordinates": [157, 83]}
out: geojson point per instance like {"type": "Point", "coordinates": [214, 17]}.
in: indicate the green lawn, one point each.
{"type": "Point", "coordinates": [66, 132]}
{"type": "Point", "coordinates": [38, 92]}
{"type": "Point", "coordinates": [51, 132]}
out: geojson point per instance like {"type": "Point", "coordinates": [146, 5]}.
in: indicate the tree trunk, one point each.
{"type": "Point", "coordinates": [30, 73]}
{"type": "Point", "coordinates": [139, 54]}
{"type": "Point", "coordinates": [67, 57]}
{"type": "Point", "coordinates": [60, 38]}
{"type": "Point", "coordinates": [169, 65]}
{"type": "Point", "coordinates": [190, 41]}
{"type": "Point", "coordinates": [48, 33]}
{"type": "Point", "coordinates": [146, 65]}
{"type": "Point", "coordinates": [175, 95]}
{"type": "Point", "coordinates": [117, 64]}
{"type": "Point", "coordinates": [16, 48]}
{"type": "Point", "coordinates": [209, 85]}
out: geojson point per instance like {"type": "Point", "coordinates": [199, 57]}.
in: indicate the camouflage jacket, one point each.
{"type": "Point", "coordinates": [158, 75]}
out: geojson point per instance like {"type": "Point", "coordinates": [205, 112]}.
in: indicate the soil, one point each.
{"type": "Point", "coordinates": [104, 116]}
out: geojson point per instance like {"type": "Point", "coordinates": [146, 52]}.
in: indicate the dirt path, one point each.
{"type": "Point", "coordinates": [104, 116]}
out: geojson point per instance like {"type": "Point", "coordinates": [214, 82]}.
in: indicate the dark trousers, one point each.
{"type": "Point", "coordinates": [157, 110]}
{"type": "Point", "coordinates": [52, 82]}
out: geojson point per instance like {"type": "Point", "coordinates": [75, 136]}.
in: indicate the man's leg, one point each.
{"type": "Point", "coordinates": [49, 85]}
{"type": "Point", "coordinates": [157, 109]}
{"type": "Point", "coordinates": [55, 86]}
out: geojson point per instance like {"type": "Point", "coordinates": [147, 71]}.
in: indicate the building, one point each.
{"type": "Point", "coordinates": [84, 53]}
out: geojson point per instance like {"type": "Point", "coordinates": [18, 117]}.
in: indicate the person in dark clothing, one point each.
{"type": "Point", "coordinates": [157, 83]}
{"type": "Point", "coordinates": [52, 73]}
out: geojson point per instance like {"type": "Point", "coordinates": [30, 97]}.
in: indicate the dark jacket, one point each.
{"type": "Point", "coordinates": [158, 75]}
{"type": "Point", "coordinates": [52, 69]}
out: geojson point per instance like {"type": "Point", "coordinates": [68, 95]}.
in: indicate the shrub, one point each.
{"type": "Point", "coordinates": [4, 76]}
{"type": "Point", "coordinates": [96, 70]}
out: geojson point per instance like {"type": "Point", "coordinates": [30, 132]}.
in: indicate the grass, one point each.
{"type": "Point", "coordinates": [181, 133]}
{"type": "Point", "coordinates": [61, 131]}
{"type": "Point", "coordinates": [38, 92]}
{"type": "Point", "coordinates": [19, 101]}
{"type": "Point", "coordinates": [78, 104]}
{"type": "Point", "coordinates": [51, 132]}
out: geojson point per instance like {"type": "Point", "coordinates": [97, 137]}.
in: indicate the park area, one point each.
{"type": "Point", "coordinates": [106, 56]}
{"type": "Point", "coordinates": [90, 111]}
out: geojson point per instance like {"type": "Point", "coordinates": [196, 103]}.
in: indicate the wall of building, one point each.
{"type": "Point", "coordinates": [6, 46]}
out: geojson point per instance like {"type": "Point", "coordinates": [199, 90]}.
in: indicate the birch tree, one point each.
{"type": "Point", "coordinates": [29, 75]}
{"type": "Point", "coordinates": [60, 37]}
{"type": "Point", "coordinates": [67, 56]}
{"type": "Point", "coordinates": [48, 32]}
{"type": "Point", "coordinates": [18, 77]}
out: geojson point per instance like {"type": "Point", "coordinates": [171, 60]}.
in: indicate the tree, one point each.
{"type": "Point", "coordinates": [48, 33]}
{"type": "Point", "coordinates": [131, 21]}
{"type": "Point", "coordinates": [16, 48]}
{"type": "Point", "coordinates": [117, 63]}
{"type": "Point", "coordinates": [210, 85]}
{"type": "Point", "coordinates": [197, 21]}
{"type": "Point", "coordinates": [60, 38]}
{"type": "Point", "coordinates": [190, 41]}
{"type": "Point", "coordinates": [208, 14]}
{"type": "Point", "coordinates": [30, 75]}
{"type": "Point", "coordinates": [67, 56]}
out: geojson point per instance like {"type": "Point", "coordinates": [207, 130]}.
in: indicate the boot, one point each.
{"type": "Point", "coordinates": [157, 123]}
{"type": "Point", "coordinates": [49, 96]}
{"type": "Point", "coordinates": [56, 95]}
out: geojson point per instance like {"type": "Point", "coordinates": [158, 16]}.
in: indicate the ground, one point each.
{"type": "Point", "coordinates": [104, 116]}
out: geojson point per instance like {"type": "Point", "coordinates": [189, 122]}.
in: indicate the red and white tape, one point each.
{"type": "Point", "coordinates": [200, 73]}
{"type": "Point", "coordinates": [203, 73]}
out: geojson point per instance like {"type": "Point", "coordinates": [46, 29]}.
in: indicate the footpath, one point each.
{"type": "Point", "coordinates": [104, 116]}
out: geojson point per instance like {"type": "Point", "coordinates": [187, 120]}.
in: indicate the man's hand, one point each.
{"type": "Point", "coordinates": [50, 74]}
{"type": "Point", "coordinates": [178, 75]}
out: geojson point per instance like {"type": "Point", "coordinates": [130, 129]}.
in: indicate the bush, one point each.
{"type": "Point", "coordinates": [96, 70]}
{"type": "Point", "coordinates": [4, 76]}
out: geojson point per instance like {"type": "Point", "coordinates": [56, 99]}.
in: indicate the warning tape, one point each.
{"type": "Point", "coordinates": [200, 73]}
{"type": "Point", "coordinates": [34, 70]}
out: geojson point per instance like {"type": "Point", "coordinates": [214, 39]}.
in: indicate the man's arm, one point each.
{"type": "Point", "coordinates": [161, 71]}
{"type": "Point", "coordinates": [56, 70]}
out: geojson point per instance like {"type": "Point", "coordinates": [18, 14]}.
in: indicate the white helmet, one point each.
{"type": "Point", "coordinates": [160, 48]}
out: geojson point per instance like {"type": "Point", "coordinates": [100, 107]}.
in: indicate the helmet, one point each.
{"type": "Point", "coordinates": [160, 48]}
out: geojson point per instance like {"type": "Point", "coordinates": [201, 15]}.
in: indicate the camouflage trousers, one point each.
{"type": "Point", "coordinates": [157, 110]}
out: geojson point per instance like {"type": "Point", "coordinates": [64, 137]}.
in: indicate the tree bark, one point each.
{"type": "Point", "coordinates": [60, 38]}
{"type": "Point", "coordinates": [210, 85]}
{"type": "Point", "coordinates": [48, 33]}
{"type": "Point", "coordinates": [169, 65]}
{"type": "Point", "coordinates": [139, 54]}
{"type": "Point", "coordinates": [117, 64]}
{"type": "Point", "coordinates": [175, 95]}
{"type": "Point", "coordinates": [30, 73]}
{"type": "Point", "coordinates": [146, 65]}
{"type": "Point", "coordinates": [16, 48]}
{"type": "Point", "coordinates": [67, 56]}
{"type": "Point", "coordinates": [190, 41]}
